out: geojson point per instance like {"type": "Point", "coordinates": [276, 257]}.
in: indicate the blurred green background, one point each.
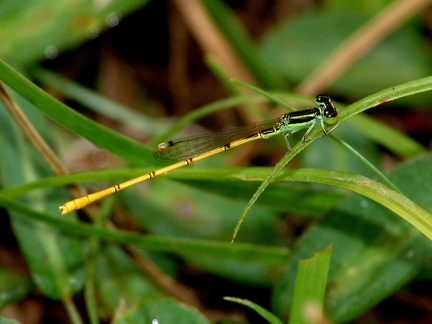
{"type": "Point", "coordinates": [136, 67]}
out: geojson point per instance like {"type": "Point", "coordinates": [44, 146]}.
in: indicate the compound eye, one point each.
{"type": "Point", "coordinates": [331, 117]}
{"type": "Point", "coordinates": [322, 99]}
{"type": "Point", "coordinates": [331, 114]}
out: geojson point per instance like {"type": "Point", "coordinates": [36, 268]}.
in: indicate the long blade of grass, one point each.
{"type": "Point", "coordinates": [269, 255]}
{"type": "Point", "coordinates": [94, 132]}
{"type": "Point", "coordinates": [369, 188]}
{"type": "Point", "coordinates": [309, 287]}
{"type": "Point", "coordinates": [95, 101]}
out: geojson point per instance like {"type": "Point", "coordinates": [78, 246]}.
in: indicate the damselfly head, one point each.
{"type": "Point", "coordinates": [329, 111]}
{"type": "Point", "coordinates": [323, 101]}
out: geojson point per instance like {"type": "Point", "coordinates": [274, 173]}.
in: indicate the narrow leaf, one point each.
{"type": "Point", "coordinates": [309, 287]}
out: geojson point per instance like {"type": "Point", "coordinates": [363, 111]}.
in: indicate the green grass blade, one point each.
{"type": "Point", "coordinates": [95, 101]}
{"type": "Point", "coordinates": [269, 255]}
{"type": "Point", "coordinates": [387, 136]}
{"type": "Point", "coordinates": [374, 251]}
{"type": "Point", "coordinates": [268, 316]}
{"type": "Point", "coordinates": [387, 95]}
{"type": "Point", "coordinates": [372, 189]}
{"type": "Point", "coordinates": [309, 287]}
{"type": "Point", "coordinates": [365, 161]}
{"type": "Point", "coordinates": [90, 267]}
{"type": "Point", "coordinates": [94, 132]}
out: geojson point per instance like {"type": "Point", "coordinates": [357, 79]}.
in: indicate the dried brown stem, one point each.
{"type": "Point", "coordinates": [360, 43]}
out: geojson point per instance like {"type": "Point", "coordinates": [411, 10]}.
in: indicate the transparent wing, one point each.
{"type": "Point", "coordinates": [192, 146]}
